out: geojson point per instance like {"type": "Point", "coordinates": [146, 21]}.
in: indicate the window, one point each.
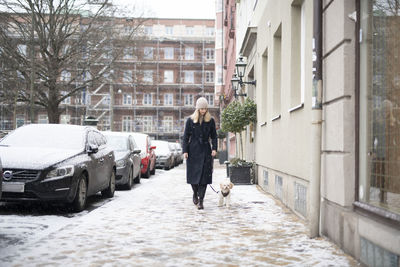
{"type": "Point", "coordinates": [209, 53]}
{"type": "Point", "coordinates": [43, 119]}
{"type": "Point", "coordinates": [169, 30]}
{"type": "Point", "coordinates": [168, 123]}
{"type": "Point", "coordinates": [188, 100]}
{"type": "Point", "coordinates": [168, 76]}
{"type": "Point", "coordinates": [209, 76]}
{"type": "Point", "coordinates": [126, 123]}
{"type": "Point", "coordinates": [189, 53]}
{"type": "Point", "coordinates": [189, 30]}
{"type": "Point", "coordinates": [20, 120]}
{"type": "Point", "coordinates": [189, 76]}
{"type": "Point", "coordinates": [127, 76]}
{"type": "Point", "coordinates": [147, 99]}
{"type": "Point", "coordinates": [65, 76]}
{"type": "Point", "coordinates": [297, 76]}
{"type": "Point", "coordinates": [168, 53]}
{"type": "Point", "coordinates": [106, 100]}
{"type": "Point", "coordinates": [148, 30]}
{"type": "Point", "coordinates": [219, 74]}
{"type": "Point", "coordinates": [379, 180]}
{"type": "Point", "coordinates": [107, 54]}
{"type": "Point", "coordinates": [66, 100]}
{"type": "Point", "coordinates": [147, 124]}
{"type": "Point", "coordinates": [65, 119]}
{"type": "Point", "coordinates": [128, 53]}
{"type": "Point", "coordinates": [104, 123]}
{"type": "Point", "coordinates": [22, 49]}
{"type": "Point", "coordinates": [148, 53]}
{"type": "Point", "coordinates": [148, 76]}
{"type": "Point", "coordinates": [127, 99]}
{"type": "Point", "coordinates": [277, 57]}
{"type": "Point", "coordinates": [210, 99]}
{"type": "Point", "coordinates": [168, 99]}
{"type": "Point", "coordinates": [210, 31]}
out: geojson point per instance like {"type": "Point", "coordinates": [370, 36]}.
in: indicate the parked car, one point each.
{"type": "Point", "coordinates": [178, 146]}
{"type": "Point", "coordinates": [127, 158]}
{"type": "Point", "coordinates": [147, 154]}
{"type": "Point", "coordinates": [165, 157]}
{"type": "Point", "coordinates": [1, 178]}
{"type": "Point", "coordinates": [56, 163]}
{"type": "Point", "coordinates": [174, 150]}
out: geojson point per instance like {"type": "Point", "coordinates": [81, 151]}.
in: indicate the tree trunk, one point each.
{"type": "Point", "coordinates": [53, 113]}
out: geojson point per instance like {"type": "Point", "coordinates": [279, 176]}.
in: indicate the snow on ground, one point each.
{"type": "Point", "coordinates": [156, 224]}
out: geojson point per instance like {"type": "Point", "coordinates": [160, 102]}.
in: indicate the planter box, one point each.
{"type": "Point", "coordinates": [240, 175]}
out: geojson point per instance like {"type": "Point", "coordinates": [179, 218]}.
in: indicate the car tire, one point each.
{"type": "Point", "coordinates": [147, 173]}
{"type": "Point", "coordinates": [129, 184]}
{"type": "Point", "coordinates": [154, 170]}
{"type": "Point", "coordinates": [137, 178]}
{"type": "Point", "coordinates": [109, 191]}
{"type": "Point", "coordinates": [79, 202]}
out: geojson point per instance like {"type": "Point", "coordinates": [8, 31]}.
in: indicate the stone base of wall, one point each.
{"type": "Point", "coordinates": [290, 190]}
{"type": "Point", "coordinates": [369, 241]}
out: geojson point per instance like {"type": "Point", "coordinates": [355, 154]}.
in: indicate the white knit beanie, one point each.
{"type": "Point", "coordinates": [201, 103]}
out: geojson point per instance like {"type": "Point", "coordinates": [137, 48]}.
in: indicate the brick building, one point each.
{"type": "Point", "coordinates": [151, 88]}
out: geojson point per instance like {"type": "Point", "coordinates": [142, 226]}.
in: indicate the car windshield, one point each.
{"type": "Point", "coordinates": [117, 143]}
{"type": "Point", "coordinates": [46, 136]}
{"type": "Point", "coordinates": [140, 141]}
{"type": "Point", "coordinates": [161, 147]}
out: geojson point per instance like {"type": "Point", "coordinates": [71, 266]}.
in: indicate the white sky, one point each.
{"type": "Point", "coordinates": [202, 9]}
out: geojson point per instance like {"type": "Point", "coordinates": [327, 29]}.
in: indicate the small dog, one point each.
{"type": "Point", "coordinates": [225, 192]}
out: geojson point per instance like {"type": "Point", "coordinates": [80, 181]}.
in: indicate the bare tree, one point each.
{"type": "Point", "coordinates": [56, 48]}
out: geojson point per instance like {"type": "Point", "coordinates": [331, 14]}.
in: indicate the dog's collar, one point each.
{"type": "Point", "coordinates": [225, 194]}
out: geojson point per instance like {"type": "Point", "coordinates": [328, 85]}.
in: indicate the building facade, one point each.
{"type": "Point", "coordinates": [152, 87]}
{"type": "Point", "coordinates": [335, 162]}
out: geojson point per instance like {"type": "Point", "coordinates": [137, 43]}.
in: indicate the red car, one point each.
{"type": "Point", "coordinates": [147, 154]}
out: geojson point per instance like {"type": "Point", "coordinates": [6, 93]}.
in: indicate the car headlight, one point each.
{"type": "Point", "coordinates": [59, 173]}
{"type": "Point", "coordinates": [120, 163]}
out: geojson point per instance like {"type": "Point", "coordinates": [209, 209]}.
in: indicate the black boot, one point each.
{"type": "Point", "coordinates": [200, 206]}
{"type": "Point", "coordinates": [195, 199]}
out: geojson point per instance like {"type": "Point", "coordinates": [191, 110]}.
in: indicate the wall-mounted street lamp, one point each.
{"type": "Point", "coordinates": [237, 81]}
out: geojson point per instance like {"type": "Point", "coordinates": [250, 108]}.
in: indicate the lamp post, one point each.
{"type": "Point", "coordinates": [237, 81]}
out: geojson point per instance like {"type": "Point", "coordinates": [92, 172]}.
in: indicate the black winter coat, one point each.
{"type": "Point", "coordinates": [196, 142]}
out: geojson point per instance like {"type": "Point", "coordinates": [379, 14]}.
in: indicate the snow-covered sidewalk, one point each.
{"type": "Point", "coordinates": [156, 224]}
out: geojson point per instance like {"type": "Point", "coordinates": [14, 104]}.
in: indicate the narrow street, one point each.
{"type": "Point", "coordinates": [156, 224]}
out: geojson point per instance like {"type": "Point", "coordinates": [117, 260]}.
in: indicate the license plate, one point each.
{"type": "Point", "coordinates": [13, 187]}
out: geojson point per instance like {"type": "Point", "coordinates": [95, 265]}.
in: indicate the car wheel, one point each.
{"type": "Point", "coordinates": [109, 191]}
{"type": "Point", "coordinates": [79, 202]}
{"type": "Point", "coordinates": [147, 174]}
{"type": "Point", "coordinates": [137, 178]}
{"type": "Point", "coordinates": [129, 184]}
{"type": "Point", "coordinates": [154, 170]}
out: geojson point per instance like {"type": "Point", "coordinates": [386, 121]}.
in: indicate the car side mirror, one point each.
{"type": "Point", "coordinates": [137, 151]}
{"type": "Point", "coordinates": [153, 147]}
{"type": "Point", "coordinates": [92, 149]}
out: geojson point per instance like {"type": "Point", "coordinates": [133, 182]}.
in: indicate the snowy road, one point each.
{"type": "Point", "coordinates": [156, 224]}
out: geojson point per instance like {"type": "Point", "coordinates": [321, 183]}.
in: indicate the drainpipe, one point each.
{"type": "Point", "coordinates": [316, 125]}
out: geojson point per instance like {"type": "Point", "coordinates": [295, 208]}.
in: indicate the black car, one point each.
{"type": "Point", "coordinates": [1, 178]}
{"type": "Point", "coordinates": [127, 158]}
{"type": "Point", "coordinates": [56, 162]}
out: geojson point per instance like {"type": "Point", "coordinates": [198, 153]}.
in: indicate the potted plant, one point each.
{"type": "Point", "coordinates": [235, 117]}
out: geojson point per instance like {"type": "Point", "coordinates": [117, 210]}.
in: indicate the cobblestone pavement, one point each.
{"type": "Point", "coordinates": [156, 224]}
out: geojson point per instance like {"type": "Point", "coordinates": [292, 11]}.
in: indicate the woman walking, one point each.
{"type": "Point", "coordinates": [199, 129]}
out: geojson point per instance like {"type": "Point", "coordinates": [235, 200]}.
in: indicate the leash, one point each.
{"type": "Point", "coordinates": [213, 189]}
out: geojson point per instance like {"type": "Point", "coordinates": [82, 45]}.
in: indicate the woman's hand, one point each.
{"type": "Point", "coordinates": [213, 153]}
{"type": "Point", "coordinates": [185, 155]}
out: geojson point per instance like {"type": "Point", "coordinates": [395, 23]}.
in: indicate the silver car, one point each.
{"type": "Point", "coordinates": [127, 158]}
